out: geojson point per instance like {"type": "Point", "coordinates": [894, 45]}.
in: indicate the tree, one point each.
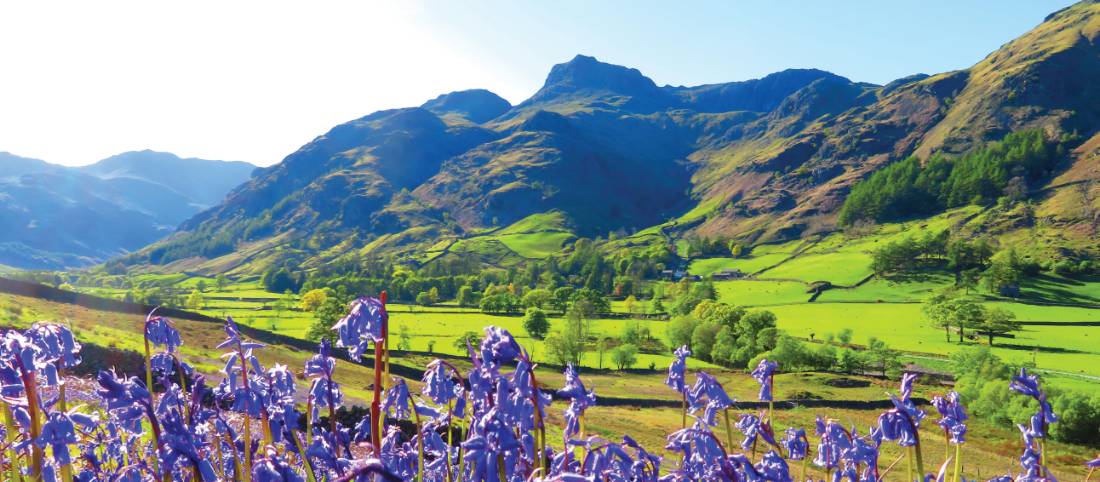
{"type": "Point", "coordinates": [325, 316]}
{"type": "Point", "coordinates": [703, 338]}
{"type": "Point", "coordinates": [998, 321]}
{"type": "Point", "coordinates": [658, 307]}
{"type": "Point", "coordinates": [881, 357]}
{"type": "Point", "coordinates": [567, 345]}
{"type": "Point", "coordinates": [471, 338]}
{"type": "Point", "coordinates": [466, 296]}
{"type": "Point", "coordinates": [424, 298]}
{"type": "Point", "coordinates": [969, 278]}
{"type": "Point", "coordinates": [220, 281]}
{"type": "Point", "coordinates": [201, 285]}
{"type": "Point", "coordinates": [597, 301]}
{"type": "Point", "coordinates": [195, 301]}
{"type": "Point", "coordinates": [625, 356]}
{"type": "Point", "coordinates": [630, 303]}
{"type": "Point", "coordinates": [536, 323]}
{"type": "Point", "coordinates": [1003, 275]}
{"type": "Point", "coordinates": [433, 295]}
{"type": "Point", "coordinates": [562, 297]}
{"type": "Point", "coordinates": [939, 309]}
{"type": "Point", "coordinates": [404, 340]}
{"type": "Point", "coordinates": [537, 298]}
{"type": "Point", "coordinates": [601, 347]}
{"type": "Point", "coordinates": [312, 299]}
{"type": "Point", "coordinates": [679, 330]}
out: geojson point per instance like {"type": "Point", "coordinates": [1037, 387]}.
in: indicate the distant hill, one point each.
{"type": "Point", "coordinates": [55, 217]}
{"type": "Point", "coordinates": [610, 153]}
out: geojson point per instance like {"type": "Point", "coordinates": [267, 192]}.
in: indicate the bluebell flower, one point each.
{"type": "Point", "coordinates": [397, 400]}
{"type": "Point", "coordinates": [271, 468]}
{"type": "Point", "coordinates": [234, 339]}
{"type": "Point", "coordinates": [498, 347]}
{"type": "Point", "coordinates": [324, 391]}
{"type": "Point", "coordinates": [161, 332]}
{"type": "Point", "coordinates": [764, 373]}
{"type": "Point", "coordinates": [56, 343]}
{"type": "Point", "coordinates": [795, 442]}
{"type": "Point", "coordinates": [362, 326]}
{"type": "Point", "coordinates": [773, 467]}
{"type": "Point", "coordinates": [1026, 384]}
{"type": "Point", "coordinates": [579, 397]}
{"type": "Point", "coordinates": [439, 387]}
{"type": "Point", "coordinates": [58, 433]}
{"type": "Point", "coordinates": [676, 377]}
{"type": "Point", "coordinates": [952, 416]}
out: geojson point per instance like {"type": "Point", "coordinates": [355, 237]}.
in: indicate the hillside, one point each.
{"type": "Point", "coordinates": [56, 217]}
{"type": "Point", "coordinates": [612, 153]}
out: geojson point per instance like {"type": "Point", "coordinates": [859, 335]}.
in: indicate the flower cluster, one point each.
{"type": "Point", "coordinates": [488, 424]}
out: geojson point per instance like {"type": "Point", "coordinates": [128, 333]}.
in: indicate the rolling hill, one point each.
{"type": "Point", "coordinates": [56, 217]}
{"type": "Point", "coordinates": [608, 152]}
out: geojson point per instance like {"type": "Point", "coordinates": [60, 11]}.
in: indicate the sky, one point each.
{"type": "Point", "coordinates": [254, 80]}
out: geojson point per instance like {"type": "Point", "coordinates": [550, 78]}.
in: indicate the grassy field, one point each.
{"type": "Point", "coordinates": [990, 450]}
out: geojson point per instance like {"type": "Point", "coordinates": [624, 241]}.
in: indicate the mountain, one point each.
{"type": "Point", "coordinates": [55, 217]}
{"type": "Point", "coordinates": [203, 182]}
{"type": "Point", "coordinates": [601, 150]}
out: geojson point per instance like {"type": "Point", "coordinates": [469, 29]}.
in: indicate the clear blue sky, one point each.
{"type": "Point", "coordinates": [692, 43]}
{"type": "Point", "coordinates": [255, 79]}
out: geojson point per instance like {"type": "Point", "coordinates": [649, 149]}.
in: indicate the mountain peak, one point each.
{"type": "Point", "coordinates": [585, 72]}
{"type": "Point", "coordinates": [477, 105]}
{"type": "Point", "coordinates": [586, 75]}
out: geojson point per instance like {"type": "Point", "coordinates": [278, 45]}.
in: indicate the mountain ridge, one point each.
{"type": "Point", "coordinates": [759, 160]}
{"type": "Point", "coordinates": [57, 217]}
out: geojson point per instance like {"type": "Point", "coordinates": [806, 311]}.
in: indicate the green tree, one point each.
{"type": "Point", "coordinates": [471, 338]}
{"type": "Point", "coordinates": [1003, 275]}
{"type": "Point", "coordinates": [433, 295]}
{"type": "Point", "coordinates": [537, 298]}
{"type": "Point", "coordinates": [703, 338]}
{"type": "Point", "coordinates": [423, 298]}
{"type": "Point", "coordinates": [882, 357]}
{"type": "Point", "coordinates": [625, 356]}
{"type": "Point", "coordinates": [997, 321]}
{"type": "Point", "coordinates": [195, 300]}
{"type": "Point", "coordinates": [680, 329]}
{"type": "Point", "coordinates": [201, 285]}
{"type": "Point", "coordinates": [404, 340]}
{"type": "Point", "coordinates": [220, 281]}
{"type": "Point", "coordinates": [325, 317]}
{"type": "Point", "coordinates": [535, 323]}
{"type": "Point", "coordinates": [567, 345]}
{"type": "Point", "coordinates": [466, 297]}
{"type": "Point", "coordinates": [562, 297]}
{"type": "Point", "coordinates": [312, 299]}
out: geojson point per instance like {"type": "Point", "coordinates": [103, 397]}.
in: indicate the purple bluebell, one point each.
{"type": "Point", "coordinates": [795, 443]}
{"type": "Point", "coordinates": [362, 326]}
{"type": "Point", "coordinates": [270, 467]}
{"type": "Point", "coordinates": [439, 387]}
{"type": "Point", "coordinates": [498, 347]}
{"type": "Point", "coordinates": [676, 376]}
{"type": "Point", "coordinates": [160, 331]}
{"type": "Point", "coordinates": [1026, 383]}
{"type": "Point", "coordinates": [58, 433]}
{"type": "Point", "coordinates": [323, 389]}
{"type": "Point", "coordinates": [708, 393]}
{"type": "Point", "coordinates": [773, 467]}
{"type": "Point", "coordinates": [579, 397]}
{"type": "Point", "coordinates": [56, 343]}
{"type": "Point", "coordinates": [397, 400]}
{"type": "Point", "coordinates": [764, 374]}
{"type": "Point", "coordinates": [952, 416]}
